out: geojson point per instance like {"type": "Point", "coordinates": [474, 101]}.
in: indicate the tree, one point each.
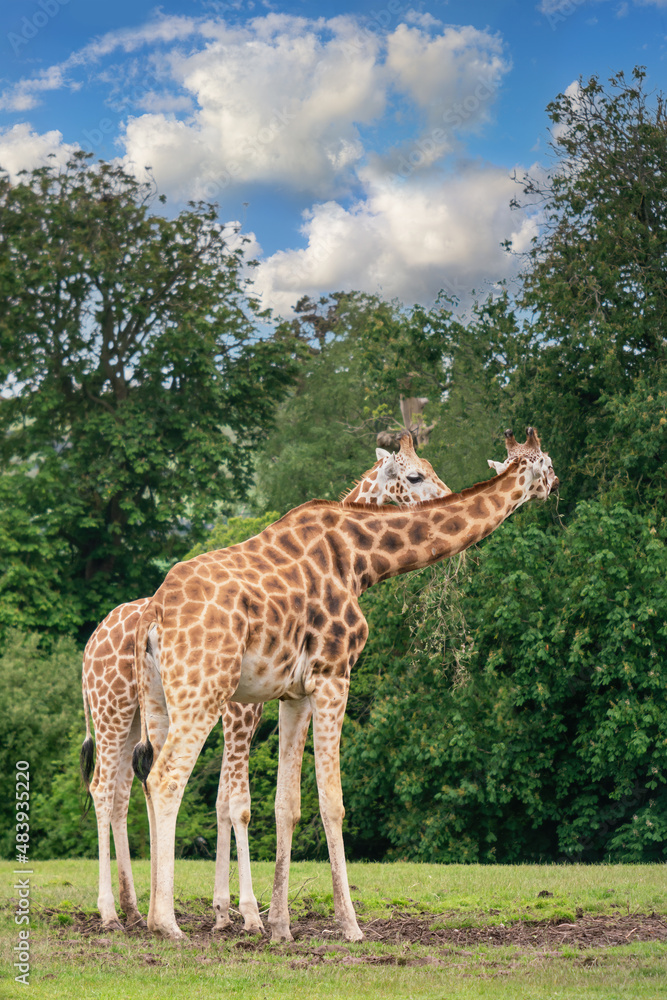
{"type": "Point", "coordinates": [595, 283]}
{"type": "Point", "coordinates": [137, 373]}
{"type": "Point", "coordinates": [362, 355]}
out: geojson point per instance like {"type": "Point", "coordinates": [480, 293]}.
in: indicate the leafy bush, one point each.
{"type": "Point", "coordinates": [539, 728]}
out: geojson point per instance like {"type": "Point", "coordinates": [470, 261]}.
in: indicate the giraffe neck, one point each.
{"type": "Point", "coordinates": [378, 544]}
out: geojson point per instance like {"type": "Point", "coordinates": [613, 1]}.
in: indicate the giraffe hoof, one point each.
{"type": "Point", "coordinates": [171, 933]}
{"type": "Point", "coordinates": [281, 934]}
{"type": "Point", "coordinates": [253, 927]}
{"type": "Point", "coordinates": [221, 924]}
{"type": "Point", "coordinates": [135, 922]}
{"type": "Point", "coordinates": [354, 934]}
{"type": "Point", "coordinates": [113, 925]}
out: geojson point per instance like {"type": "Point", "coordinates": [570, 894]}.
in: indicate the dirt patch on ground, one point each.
{"type": "Point", "coordinates": [316, 938]}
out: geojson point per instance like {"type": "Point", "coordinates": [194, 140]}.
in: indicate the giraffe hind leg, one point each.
{"type": "Point", "coordinates": [102, 791]}
{"type": "Point", "coordinates": [121, 801]}
{"type": "Point", "coordinates": [221, 891]}
{"type": "Point", "coordinates": [165, 786]}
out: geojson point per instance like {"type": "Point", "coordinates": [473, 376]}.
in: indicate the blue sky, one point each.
{"type": "Point", "coordinates": [366, 145]}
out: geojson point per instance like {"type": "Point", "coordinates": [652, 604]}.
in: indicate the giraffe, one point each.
{"type": "Point", "coordinates": [110, 696]}
{"type": "Point", "coordinates": [403, 478]}
{"type": "Point", "coordinates": [278, 616]}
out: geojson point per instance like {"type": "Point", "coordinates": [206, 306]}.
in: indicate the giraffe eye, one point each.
{"type": "Point", "coordinates": [415, 478]}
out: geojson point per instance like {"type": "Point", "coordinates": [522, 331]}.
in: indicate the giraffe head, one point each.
{"type": "Point", "coordinates": [402, 478]}
{"type": "Point", "coordinates": [545, 479]}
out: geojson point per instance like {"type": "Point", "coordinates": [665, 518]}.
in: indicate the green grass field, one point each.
{"type": "Point", "coordinates": [69, 964]}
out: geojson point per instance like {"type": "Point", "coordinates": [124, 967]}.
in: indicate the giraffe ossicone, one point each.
{"type": "Point", "coordinates": [110, 696]}
{"type": "Point", "coordinates": [278, 617]}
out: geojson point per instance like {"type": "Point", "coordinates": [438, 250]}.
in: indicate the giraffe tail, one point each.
{"type": "Point", "coordinates": [87, 755]}
{"type": "Point", "coordinates": [142, 756]}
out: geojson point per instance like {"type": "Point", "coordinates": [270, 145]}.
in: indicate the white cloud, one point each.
{"type": "Point", "coordinates": [173, 151]}
{"type": "Point", "coordinates": [405, 240]}
{"type": "Point", "coordinates": [573, 91]}
{"type": "Point", "coordinates": [444, 71]}
{"type": "Point", "coordinates": [21, 148]}
{"type": "Point", "coordinates": [283, 100]}
{"type": "Point", "coordinates": [289, 102]}
{"type": "Point", "coordinates": [161, 30]}
{"type": "Point", "coordinates": [278, 101]}
{"type": "Point", "coordinates": [24, 95]}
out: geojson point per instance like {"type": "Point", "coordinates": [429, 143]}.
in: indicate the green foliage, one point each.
{"type": "Point", "coordinates": [134, 379]}
{"type": "Point", "coordinates": [479, 357]}
{"type": "Point", "coordinates": [320, 444]}
{"type": "Point", "coordinates": [538, 728]}
{"type": "Point", "coordinates": [31, 560]}
{"type": "Point", "coordinates": [594, 282]}
{"type": "Point", "coordinates": [630, 461]}
{"type": "Point", "coordinates": [364, 354]}
{"type": "Point", "coordinates": [42, 693]}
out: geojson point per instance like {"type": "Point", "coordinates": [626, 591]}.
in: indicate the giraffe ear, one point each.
{"type": "Point", "coordinates": [389, 471]}
{"type": "Point", "coordinates": [498, 466]}
{"type": "Point", "coordinates": [380, 453]}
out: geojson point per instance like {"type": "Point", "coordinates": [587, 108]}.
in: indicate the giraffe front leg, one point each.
{"type": "Point", "coordinates": [165, 786]}
{"type": "Point", "coordinates": [293, 725]}
{"type": "Point", "coordinates": [233, 809]}
{"type": "Point", "coordinates": [329, 702]}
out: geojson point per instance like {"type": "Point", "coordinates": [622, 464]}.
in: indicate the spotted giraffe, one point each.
{"type": "Point", "coordinates": [110, 696]}
{"type": "Point", "coordinates": [278, 617]}
{"type": "Point", "coordinates": [403, 478]}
